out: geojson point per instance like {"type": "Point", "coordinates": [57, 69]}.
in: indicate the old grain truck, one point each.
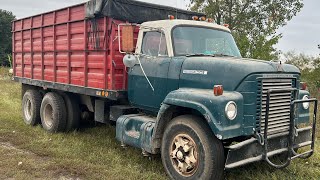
{"type": "Point", "coordinates": [171, 81]}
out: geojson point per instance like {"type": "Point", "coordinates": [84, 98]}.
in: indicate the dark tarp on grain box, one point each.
{"type": "Point", "coordinates": [134, 11]}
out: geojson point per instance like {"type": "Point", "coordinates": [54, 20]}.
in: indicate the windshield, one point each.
{"type": "Point", "coordinates": [206, 41]}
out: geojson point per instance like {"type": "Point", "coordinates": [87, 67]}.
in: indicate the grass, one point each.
{"type": "Point", "coordinates": [94, 153]}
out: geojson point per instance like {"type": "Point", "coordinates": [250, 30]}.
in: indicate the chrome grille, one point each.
{"type": "Point", "coordinates": [279, 106]}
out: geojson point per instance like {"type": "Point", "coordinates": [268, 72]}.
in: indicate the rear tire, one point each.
{"type": "Point", "coordinates": [53, 113]}
{"type": "Point", "coordinates": [73, 112]}
{"type": "Point", "coordinates": [31, 103]}
{"type": "Point", "coordinates": [190, 150]}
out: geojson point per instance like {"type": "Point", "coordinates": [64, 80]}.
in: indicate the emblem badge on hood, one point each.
{"type": "Point", "coordinates": [201, 72]}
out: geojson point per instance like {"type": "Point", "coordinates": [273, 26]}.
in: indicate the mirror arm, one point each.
{"type": "Point", "coordinates": [145, 75]}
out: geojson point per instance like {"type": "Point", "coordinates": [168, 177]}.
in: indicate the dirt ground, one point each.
{"type": "Point", "coordinates": [22, 164]}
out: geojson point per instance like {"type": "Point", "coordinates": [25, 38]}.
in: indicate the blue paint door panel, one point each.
{"type": "Point", "coordinates": [140, 92]}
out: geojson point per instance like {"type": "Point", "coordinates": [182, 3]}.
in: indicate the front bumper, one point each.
{"type": "Point", "coordinates": [251, 150]}
{"type": "Point", "coordinates": [264, 146]}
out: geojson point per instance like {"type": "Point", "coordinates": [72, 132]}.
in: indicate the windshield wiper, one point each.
{"type": "Point", "coordinates": [199, 54]}
{"type": "Point", "coordinates": [223, 55]}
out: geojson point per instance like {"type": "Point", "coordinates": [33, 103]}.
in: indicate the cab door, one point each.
{"type": "Point", "coordinates": [148, 79]}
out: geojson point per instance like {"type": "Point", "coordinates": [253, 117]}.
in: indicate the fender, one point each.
{"type": "Point", "coordinates": [210, 106]}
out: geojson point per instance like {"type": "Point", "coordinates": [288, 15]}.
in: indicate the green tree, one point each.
{"type": "Point", "coordinates": [5, 36]}
{"type": "Point", "coordinates": [253, 22]}
{"type": "Point", "coordinates": [309, 67]}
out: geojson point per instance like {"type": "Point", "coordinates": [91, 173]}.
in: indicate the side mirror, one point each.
{"type": "Point", "coordinates": [130, 60]}
{"type": "Point", "coordinates": [127, 39]}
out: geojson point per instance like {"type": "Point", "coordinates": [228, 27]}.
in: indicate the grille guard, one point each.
{"type": "Point", "coordinates": [259, 148]}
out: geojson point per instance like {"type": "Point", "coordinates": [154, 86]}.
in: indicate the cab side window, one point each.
{"type": "Point", "coordinates": [154, 44]}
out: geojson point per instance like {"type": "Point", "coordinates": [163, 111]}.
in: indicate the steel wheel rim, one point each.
{"type": "Point", "coordinates": [28, 109]}
{"type": "Point", "coordinates": [48, 115]}
{"type": "Point", "coordinates": [184, 155]}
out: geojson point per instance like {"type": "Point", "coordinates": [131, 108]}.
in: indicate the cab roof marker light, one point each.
{"type": "Point", "coordinates": [210, 20]}
{"type": "Point", "coordinates": [195, 18]}
{"type": "Point", "coordinates": [226, 25]}
{"type": "Point", "coordinates": [171, 17]}
{"type": "Point", "coordinates": [203, 18]}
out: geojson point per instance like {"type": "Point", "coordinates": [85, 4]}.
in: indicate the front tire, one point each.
{"type": "Point", "coordinates": [53, 113]}
{"type": "Point", "coordinates": [190, 150]}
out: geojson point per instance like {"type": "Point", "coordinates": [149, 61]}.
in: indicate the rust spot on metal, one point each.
{"type": "Point", "coordinates": [134, 134]}
{"type": "Point", "coordinates": [207, 117]}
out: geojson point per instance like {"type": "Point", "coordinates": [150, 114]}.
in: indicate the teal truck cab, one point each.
{"type": "Point", "coordinates": [178, 88]}
{"type": "Point", "coordinates": [209, 109]}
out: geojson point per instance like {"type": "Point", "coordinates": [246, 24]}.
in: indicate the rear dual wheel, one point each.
{"type": "Point", "coordinates": [53, 113]}
{"type": "Point", "coordinates": [73, 111]}
{"type": "Point", "coordinates": [31, 103]}
{"type": "Point", "coordinates": [59, 113]}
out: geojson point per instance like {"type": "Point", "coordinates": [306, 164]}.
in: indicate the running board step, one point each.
{"type": "Point", "coordinates": [136, 130]}
{"type": "Point", "coordinates": [120, 110]}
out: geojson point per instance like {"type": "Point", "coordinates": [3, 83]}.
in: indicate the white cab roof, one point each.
{"type": "Point", "coordinates": [169, 24]}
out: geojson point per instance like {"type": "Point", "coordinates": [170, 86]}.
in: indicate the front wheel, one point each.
{"type": "Point", "coordinates": [191, 151]}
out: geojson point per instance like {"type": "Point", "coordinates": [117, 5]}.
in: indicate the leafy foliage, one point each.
{"type": "Point", "coordinates": [5, 36]}
{"type": "Point", "coordinates": [253, 22]}
{"type": "Point", "coordinates": [309, 67]}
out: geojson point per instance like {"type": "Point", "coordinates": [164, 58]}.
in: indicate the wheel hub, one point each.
{"type": "Point", "coordinates": [28, 109]}
{"type": "Point", "coordinates": [48, 115]}
{"type": "Point", "coordinates": [180, 155]}
{"type": "Point", "coordinates": [184, 155]}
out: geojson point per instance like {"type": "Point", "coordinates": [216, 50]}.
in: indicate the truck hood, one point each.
{"type": "Point", "coordinates": [205, 72]}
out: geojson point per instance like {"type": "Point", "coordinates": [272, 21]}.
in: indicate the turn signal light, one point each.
{"type": "Point", "coordinates": [195, 18]}
{"type": "Point", "coordinates": [303, 86]}
{"type": "Point", "coordinates": [203, 18]}
{"type": "Point", "coordinates": [218, 90]}
{"type": "Point", "coordinates": [171, 17]}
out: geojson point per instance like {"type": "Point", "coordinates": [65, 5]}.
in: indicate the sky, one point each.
{"type": "Point", "coordinates": [301, 34]}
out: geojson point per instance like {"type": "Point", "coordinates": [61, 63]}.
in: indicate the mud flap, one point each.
{"type": "Point", "coordinates": [99, 111]}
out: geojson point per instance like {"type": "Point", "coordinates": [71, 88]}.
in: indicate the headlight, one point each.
{"type": "Point", "coordinates": [231, 110]}
{"type": "Point", "coordinates": [305, 105]}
